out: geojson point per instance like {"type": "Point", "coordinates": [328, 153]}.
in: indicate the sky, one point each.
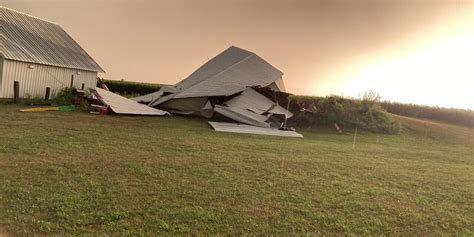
{"type": "Point", "coordinates": [412, 51]}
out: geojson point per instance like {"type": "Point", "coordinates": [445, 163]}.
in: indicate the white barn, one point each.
{"type": "Point", "coordinates": [39, 54]}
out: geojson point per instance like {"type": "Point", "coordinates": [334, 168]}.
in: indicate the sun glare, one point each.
{"type": "Point", "coordinates": [423, 71]}
{"type": "Point", "coordinates": [440, 75]}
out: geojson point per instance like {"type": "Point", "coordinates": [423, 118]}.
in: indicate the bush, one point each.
{"type": "Point", "coordinates": [65, 96]}
{"type": "Point", "coordinates": [131, 88]}
{"type": "Point", "coordinates": [365, 113]}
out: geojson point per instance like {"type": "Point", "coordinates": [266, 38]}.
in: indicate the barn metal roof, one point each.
{"type": "Point", "coordinates": [230, 72]}
{"type": "Point", "coordinates": [29, 39]}
{"type": "Point", "coordinates": [122, 105]}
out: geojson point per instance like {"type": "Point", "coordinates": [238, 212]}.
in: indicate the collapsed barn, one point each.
{"type": "Point", "coordinates": [235, 86]}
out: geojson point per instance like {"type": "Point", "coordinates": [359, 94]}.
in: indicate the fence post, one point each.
{"type": "Point", "coordinates": [16, 91]}
{"type": "Point", "coordinates": [72, 80]}
{"type": "Point", "coordinates": [354, 142]}
{"type": "Point", "coordinates": [48, 90]}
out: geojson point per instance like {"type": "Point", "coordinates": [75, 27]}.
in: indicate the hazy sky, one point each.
{"type": "Point", "coordinates": [417, 51]}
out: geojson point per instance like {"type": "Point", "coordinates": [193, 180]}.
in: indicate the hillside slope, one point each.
{"type": "Point", "coordinates": [445, 132]}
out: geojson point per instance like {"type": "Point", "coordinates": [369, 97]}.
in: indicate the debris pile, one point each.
{"type": "Point", "coordinates": [237, 88]}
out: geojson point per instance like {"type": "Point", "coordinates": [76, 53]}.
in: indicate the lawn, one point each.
{"type": "Point", "coordinates": [81, 174]}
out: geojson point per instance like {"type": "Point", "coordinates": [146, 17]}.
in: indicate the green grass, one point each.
{"type": "Point", "coordinates": [80, 174]}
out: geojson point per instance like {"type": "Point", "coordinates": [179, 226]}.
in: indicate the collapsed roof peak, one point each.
{"type": "Point", "coordinates": [228, 73]}
{"type": "Point", "coordinates": [241, 49]}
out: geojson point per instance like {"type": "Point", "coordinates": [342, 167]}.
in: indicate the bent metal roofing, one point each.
{"type": "Point", "coordinates": [249, 129]}
{"type": "Point", "coordinates": [29, 39]}
{"type": "Point", "coordinates": [230, 72]}
{"type": "Point", "coordinates": [122, 105]}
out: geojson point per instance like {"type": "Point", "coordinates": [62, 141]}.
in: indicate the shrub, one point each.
{"type": "Point", "coordinates": [65, 96]}
{"type": "Point", "coordinates": [131, 88]}
{"type": "Point", "coordinates": [365, 113]}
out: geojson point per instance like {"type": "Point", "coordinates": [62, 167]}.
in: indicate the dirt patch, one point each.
{"type": "Point", "coordinates": [3, 232]}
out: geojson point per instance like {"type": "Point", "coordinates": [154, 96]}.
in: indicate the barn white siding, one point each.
{"type": "Point", "coordinates": [34, 78]}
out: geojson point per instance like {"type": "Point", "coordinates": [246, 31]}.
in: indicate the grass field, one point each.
{"type": "Point", "coordinates": [80, 174]}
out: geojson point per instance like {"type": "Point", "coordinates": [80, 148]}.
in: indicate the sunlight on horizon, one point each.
{"type": "Point", "coordinates": [441, 75]}
{"type": "Point", "coordinates": [436, 74]}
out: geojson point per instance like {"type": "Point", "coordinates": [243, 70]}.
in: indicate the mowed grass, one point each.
{"type": "Point", "coordinates": [81, 174]}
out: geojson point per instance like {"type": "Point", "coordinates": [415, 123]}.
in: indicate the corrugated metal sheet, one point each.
{"type": "Point", "coordinates": [214, 66]}
{"type": "Point", "coordinates": [149, 98]}
{"type": "Point", "coordinates": [242, 115]}
{"type": "Point", "coordinates": [276, 109]}
{"type": "Point", "coordinates": [161, 100]}
{"type": "Point", "coordinates": [256, 102]}
{"type": "Point", "coordinates": [248, 129]}
{"type": "Point", "coordinates": [29, 39]}
{"type": "Point", "coordinates": [33, 81]}
{"type": "Point", "coordinates": [228, 73]}
{"type": "Point", "coordinates": [122, 105]}
{"type": "Point", "coordinates": [185, 105]}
